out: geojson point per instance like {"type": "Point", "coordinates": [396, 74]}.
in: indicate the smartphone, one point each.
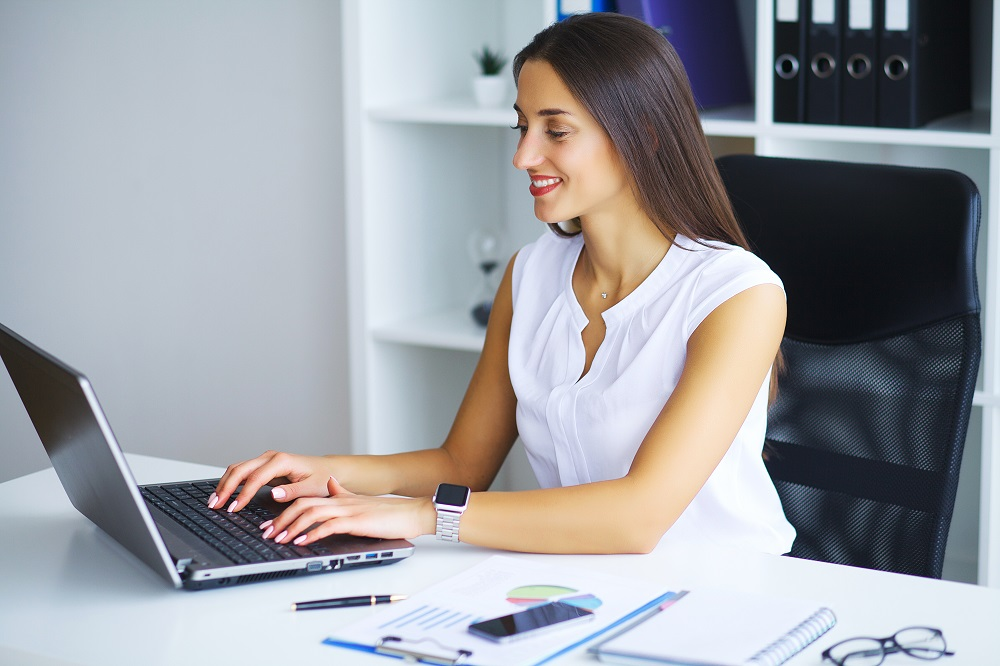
{"type": "Point", "coordinates": [530, 622]}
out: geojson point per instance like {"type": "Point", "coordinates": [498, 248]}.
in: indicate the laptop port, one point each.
{"type": "Point", "coordinates": [388, 554]}
{"type": "Point", "coordinates": [371, 556]}
{"type": "Point", "coordinates": [351, 558]}
{"type": "Point", "coordinates": [314, 566]}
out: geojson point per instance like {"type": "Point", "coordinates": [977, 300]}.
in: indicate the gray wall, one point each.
{"type": "Point", "coordinates": [171, 219]}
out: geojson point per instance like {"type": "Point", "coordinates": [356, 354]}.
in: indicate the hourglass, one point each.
{"type": "Point", "coordinates": [484, 248]}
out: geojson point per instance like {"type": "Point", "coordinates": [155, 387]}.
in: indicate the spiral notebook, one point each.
{"type": "Point", "coordinates": [712, 627]}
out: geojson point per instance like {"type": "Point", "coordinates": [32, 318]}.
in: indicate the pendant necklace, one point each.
{"type": "Point", "coordinates": [604, 294]}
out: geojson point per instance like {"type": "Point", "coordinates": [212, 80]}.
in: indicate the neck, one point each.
{"type": "Point", "coordinates": [618, 257]}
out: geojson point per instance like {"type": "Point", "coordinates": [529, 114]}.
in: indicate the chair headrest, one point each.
{"type": "Point", "coordinates": [865, 251]}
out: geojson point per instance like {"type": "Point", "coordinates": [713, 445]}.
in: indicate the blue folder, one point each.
{"type": "Point", "coordinates": [565, 8]}
{"type": "Point", "coordinates": [707, 37]}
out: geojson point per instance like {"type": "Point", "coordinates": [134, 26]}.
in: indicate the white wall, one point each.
{"type": "Point", "coordinates": [171, 219]}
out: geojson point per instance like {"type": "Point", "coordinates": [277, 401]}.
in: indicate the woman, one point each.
{"type": "Point", "coordinates": [631, 350]}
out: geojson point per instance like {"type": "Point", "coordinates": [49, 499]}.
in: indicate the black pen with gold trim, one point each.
{"type": "Point", "coordinates": [348, 602]}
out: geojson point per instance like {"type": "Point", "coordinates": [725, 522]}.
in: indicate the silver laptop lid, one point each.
{"type": "Point", "coordinates": [84, 452]}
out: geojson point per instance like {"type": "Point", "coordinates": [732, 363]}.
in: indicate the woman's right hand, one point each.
{"type": "Point", "coordinates": [298, 476]}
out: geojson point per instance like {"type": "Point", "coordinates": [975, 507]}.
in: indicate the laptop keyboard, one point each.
{"type": "Point", "coordinates": [235, 535]}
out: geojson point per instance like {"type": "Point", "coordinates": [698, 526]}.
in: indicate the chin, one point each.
{"type": "Point", "coordinates": [549, 216]}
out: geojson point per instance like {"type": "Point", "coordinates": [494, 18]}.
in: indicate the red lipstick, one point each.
{"type": "Point", "coordinates": [542, 185]}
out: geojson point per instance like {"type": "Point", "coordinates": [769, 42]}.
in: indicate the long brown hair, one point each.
{"type": "Point", "coordinates": [631, 80]}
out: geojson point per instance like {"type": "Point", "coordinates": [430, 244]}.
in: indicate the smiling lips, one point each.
{"type": "Point", "coordinates": [541, 185]}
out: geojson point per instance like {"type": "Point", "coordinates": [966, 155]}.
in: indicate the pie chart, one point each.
{"type": "Point", "coordinates": [532, 595]}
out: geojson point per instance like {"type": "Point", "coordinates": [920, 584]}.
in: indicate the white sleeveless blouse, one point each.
{"type": "Point", "coordinates": [581, 429]}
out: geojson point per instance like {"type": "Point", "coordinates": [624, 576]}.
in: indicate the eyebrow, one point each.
{"type": "Point", "coordinates": [545, 112]}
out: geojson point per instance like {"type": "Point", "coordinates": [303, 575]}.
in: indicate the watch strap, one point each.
{"type": "Point", "coordinates": [447, 525]}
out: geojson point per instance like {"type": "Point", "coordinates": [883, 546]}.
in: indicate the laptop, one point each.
{"type": "Point", "coordinates": [168, 527]}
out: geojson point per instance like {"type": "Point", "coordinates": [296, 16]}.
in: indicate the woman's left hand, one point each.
{"type": "Point", "coordinates": [343, 512]}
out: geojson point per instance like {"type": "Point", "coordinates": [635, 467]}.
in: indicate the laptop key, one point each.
{"type": "Point", "coordinates": [235, 535]}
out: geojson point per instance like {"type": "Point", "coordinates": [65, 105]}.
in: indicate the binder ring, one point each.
{"type": "Point", "coordinates": [896, 67]}
{"type": "Point", "coordinates": [823, 65]}
{"type": "Point", "coordinates": [786, 66]}
{"type": "Point", "coordinates": [859, 66]}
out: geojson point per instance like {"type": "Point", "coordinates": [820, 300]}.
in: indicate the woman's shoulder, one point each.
{"type": "Point", "coordinates": [545, 265]}
{"type": "Point", "coordinates": [718, 257]}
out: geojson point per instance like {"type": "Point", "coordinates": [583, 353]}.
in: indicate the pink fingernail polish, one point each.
{"type": "Point", "coordinates": [232, 507]}
{"type": "Point", "coordinates": [264, 525]}
{"type": "Point", "coordinates": [278, 493]}
{"type": "Point", "coordinates": [212, 500]}
{"type": "Point", "coordinates": [281, 536]}
{"type": "Point", "coordinates": [268, 531]}
{"type": "Point", "coordinates": [299, 539]}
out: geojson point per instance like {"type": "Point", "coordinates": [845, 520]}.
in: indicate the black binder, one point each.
{"type": "Point", "coordinates": [924, 46]}
{"type": "Point", "coordinates": [825, 67]}
{"type": "Point", "coordinates": [790, 20]}
{"type": "Point", "coordinates": [859, 81]}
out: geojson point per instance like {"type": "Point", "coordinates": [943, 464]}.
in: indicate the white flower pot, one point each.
{"type": "Point", "coordinates": [490, 90]}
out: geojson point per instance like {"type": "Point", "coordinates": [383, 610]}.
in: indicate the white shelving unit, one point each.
{"type": "Point", "coordinates": [425, 167]}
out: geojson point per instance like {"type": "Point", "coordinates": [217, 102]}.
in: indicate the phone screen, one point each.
{"type": "Point", "coordinates": [530, 621]}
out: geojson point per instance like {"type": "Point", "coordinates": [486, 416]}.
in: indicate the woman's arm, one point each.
{"type": "Point", "coordinates": [728, 357]}
{"type": "Point", "coordinates": [480, 439]}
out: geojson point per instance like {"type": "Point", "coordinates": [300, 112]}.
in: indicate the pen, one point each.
{"type": "Point", "coordinates": [347, 602]}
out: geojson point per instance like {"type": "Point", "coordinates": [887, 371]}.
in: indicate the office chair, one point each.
{"type": "Point", "coordinates": [881, 350]}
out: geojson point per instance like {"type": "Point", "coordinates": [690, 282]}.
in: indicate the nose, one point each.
{"type": "Point", "coordinates": [527, 154]}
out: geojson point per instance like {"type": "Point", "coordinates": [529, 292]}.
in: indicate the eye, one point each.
{"type": "Point", "coordinates": [520, 128]}
{"type": "Point", "coordinates": [556, 134]}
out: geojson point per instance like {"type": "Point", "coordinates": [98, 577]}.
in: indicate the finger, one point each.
{"type": "Point", "coordinates": [254, 475]}
{"type": "Point", "coordinates": [278, 526]}
{"type": "Point", "coordinates": [235, 475]}
{"type": "Point", "coordinates": [297, 477]}
{"type": "Point", "coordinates": [308, 512]}
{"type": "Point", "coordinates": [335, 489]}
{"type": "Point", "coordinates": [289, 492]}
{"type": "Point", "coordinates": [340, 525]}
{"type": "Point", "coordinates": [276, 468]}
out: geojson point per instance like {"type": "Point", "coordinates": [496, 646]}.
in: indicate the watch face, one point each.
{"type": "Point", "coordinates": [452, 495]}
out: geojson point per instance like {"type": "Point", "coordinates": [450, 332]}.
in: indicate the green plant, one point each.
{"type": "Point", "coordinates": [490, 62]}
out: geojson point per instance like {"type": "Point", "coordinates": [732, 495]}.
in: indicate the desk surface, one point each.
{"type": "Point", "coordinates": [71, 596]}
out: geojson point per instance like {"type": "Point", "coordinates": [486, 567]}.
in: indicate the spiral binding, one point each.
{"type": "Point", "coordinates": [795, 640]}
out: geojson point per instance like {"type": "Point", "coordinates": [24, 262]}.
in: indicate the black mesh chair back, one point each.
{"type": "Point", "coordinates": [881, 350]}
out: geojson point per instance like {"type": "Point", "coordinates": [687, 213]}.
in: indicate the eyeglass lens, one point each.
{"type": "Point", "coordinates": [919, 642]}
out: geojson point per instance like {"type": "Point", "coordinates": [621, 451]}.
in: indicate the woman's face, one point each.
{"type": "Point", "coordinates": [574, 169]}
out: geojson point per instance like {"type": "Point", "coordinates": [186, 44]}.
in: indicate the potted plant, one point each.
{"type": "Point", "coordinates": [489, 87]}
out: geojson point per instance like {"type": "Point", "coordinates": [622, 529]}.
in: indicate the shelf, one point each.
{"type": "Point", "coordinates": [728, 121]}
{"type": "Point", "coordinates": [453, 329]}
{"type": "Point", "coordinates": [446, 112]}
{"type": "Point", "coordinates": [984, 399]}
{"type": "Point", "coordinates": [964, 130]}
{"type": "Point", "coordinates": [735, 121]}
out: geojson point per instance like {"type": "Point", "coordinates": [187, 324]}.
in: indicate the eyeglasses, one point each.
{"type": "Point", "coordinates": [920, 642]}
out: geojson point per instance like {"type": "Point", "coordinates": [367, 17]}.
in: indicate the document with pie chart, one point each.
{"type": "Point", "coordinates": [434, 622]}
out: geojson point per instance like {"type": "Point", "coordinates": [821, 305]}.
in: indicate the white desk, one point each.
{"type": "Point", "coordinates": [68, 595]}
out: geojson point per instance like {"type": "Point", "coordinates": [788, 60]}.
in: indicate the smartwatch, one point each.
{"type": "Point", "coordinates": [450, 502]}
